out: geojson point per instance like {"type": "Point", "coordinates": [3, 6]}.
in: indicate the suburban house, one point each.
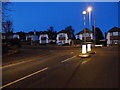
{"type": "Point", "coordinates": [16, 36]}
{"type": "Point", "coordinates": [31, 36]}
{"type": "Point", "coordinates": [46, 37]}
{"type": "Point", "coordinates": [63, 37]}
{"type": "Point", "coordinates": [43, 37]}
{"type": "Point", "coordinates": [113, 36]}
{"type": "Point", "coordinates": [11, 36]}
{"type": "Point", "coordinates": [85, 34]}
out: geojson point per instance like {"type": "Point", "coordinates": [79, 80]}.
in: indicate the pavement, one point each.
{"type": "Point", "coordinates": [60, 67]}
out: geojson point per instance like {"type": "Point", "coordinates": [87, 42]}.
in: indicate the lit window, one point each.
{"type": "Point", "coordinates": [115, 33]}
{"type": "Point", "coordinates": [86, 34]}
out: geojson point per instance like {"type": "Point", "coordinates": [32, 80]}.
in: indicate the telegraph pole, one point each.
{"type": "Point", "coordinates": [94, 31]}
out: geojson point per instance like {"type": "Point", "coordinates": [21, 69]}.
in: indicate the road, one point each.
{"type": "Point", "coordinates": [62, 68]}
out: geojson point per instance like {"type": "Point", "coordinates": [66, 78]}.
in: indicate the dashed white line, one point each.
{"type": "Point", "coordinates": [72, 52]}
{"type": "Point", "coordinates": [68, 59]}
{"type": "Point", "coordinates": [23, 78]}
{"type": "Point", "coordinates": [84, 62]}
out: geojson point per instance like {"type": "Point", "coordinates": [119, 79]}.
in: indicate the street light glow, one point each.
{"type": "Point", "coordinates": [89, 9]}
{"type": "Point", "coordinates": [84, 12]}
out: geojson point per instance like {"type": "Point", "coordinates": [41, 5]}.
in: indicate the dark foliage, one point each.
{"type": "Point", "coordinates": [52, 34]}
{"type": "Point", "coordinates": [10, 44]}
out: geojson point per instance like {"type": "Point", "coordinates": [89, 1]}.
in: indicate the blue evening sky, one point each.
{"type": "Point", "coordinates": [39, 16]}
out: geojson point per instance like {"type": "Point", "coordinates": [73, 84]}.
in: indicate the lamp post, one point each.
{"type": "Point", "coordinates": [84, 53]}
{"type": "Point", "coordinates": [89, 10]}
{"type": "Point", "coordinates": [84, 13]}
{"type": "Point", "coordinates": [84, 46]}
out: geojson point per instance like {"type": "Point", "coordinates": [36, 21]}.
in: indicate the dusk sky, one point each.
{"type": "Point", "coordinates": [39, 16]}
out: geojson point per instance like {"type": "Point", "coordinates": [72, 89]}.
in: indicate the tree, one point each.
{"type": "Point", "coordinates": [5, 9]}
{"type": "Point", "coordinates": [7, 28]}
{"type": "Point", "coordinates": [21, 35]}
{"type": "Point", "coordinates": [69, 29]}
{"type": "Point", "coordinates": [98, 35]}
{"type": "Point", "coordinates": [70, 32]}
{"type": "Point", "coordinates": [51, 33]}
{"type": "Point", "coordinates": [6, 23]}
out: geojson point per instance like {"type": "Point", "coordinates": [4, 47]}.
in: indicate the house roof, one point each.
{"type": "Point", "coordinates": [70, 36]}
{"type": "Point", "coordinates": [62, 31]}
{"type": "Point", "coordinates": [42, 32]}
{"type": "Point", "coordinates": [87, 31]}
{"type": "Point", "coordinates": [114, 29]}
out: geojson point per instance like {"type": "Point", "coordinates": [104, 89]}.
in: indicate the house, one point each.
{"type": "Point", "coordinates": [7, 35]}
{"type": "Point", "coordinates": [113, 36]}
{"type": "Point", "coordinates": [43, 37]}
{"type": "Point", "coordinates": [31, 36]}
{"type": "Point", "coordinates": [85, 35]}
{"type": "Point", "coordinates": [64, 37]}
{"type": "Point", "coordinates": [16, 36]}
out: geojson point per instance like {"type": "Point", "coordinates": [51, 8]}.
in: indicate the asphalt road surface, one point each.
{"type": "Point", "coordinates": [62, 68]}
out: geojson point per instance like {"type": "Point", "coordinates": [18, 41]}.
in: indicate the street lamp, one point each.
{"type": "Point", "coordinates": [89, 10]}
{"type": "Point", "coordinates": [84, 53]}
{"type": "Point", "coordinates": [84, 13]}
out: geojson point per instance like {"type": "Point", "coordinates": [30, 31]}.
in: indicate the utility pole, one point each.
{"type": "Point", "coordinates": [94, 31]}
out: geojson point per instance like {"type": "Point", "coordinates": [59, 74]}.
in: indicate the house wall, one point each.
{"type": "Point", "coordinates": [29, 36]}
{"type": "Point", "coordinates": [108, 38]}
{"type": "Point", "coordinates": [43, 41]}
{"type": "Point", "coordinates": [81, 36]}
{"type": "Point", "coordinates": [16, 36]}
{"type": "Point", "coordinates": [33, 37]}
{"type": "Point", "coordinates": [91, 35]}
{"type": "Point", "coordinates": [64, 40]}
{"type": "Point", "coordinates": [113, 38]}
{"type": "Point", "coordinates": [78, 36]}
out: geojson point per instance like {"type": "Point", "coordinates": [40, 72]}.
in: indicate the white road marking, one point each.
{"type": "Point", "coordinates": [21, 62]}
{"type": "Point", "coordinates": [84, 62]}
{"type": "Point", "coordinates": [24, 78]}
{"type": "Point", "coordinates": [68, 59]}
{"type": "Point", "coordinates": [14, 64]}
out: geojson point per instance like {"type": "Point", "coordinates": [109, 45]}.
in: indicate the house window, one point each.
{"type": "Point", "coordinates": [115, 41]}
{"type": "Point", "coordinates": [86, 34]}
{"type": "Point", "coordinates": [43, 38]}
{"type": "Point", "coordinates": [61, 38]}
{"type": "Point", "coordinates": [62, 35]}
{"type": "Point", "coordinates": [114, 34]}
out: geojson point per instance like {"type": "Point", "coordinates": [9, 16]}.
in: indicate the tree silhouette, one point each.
{"type": "Point", "coordinates": [7, 28]}
{"type": "Point", "coordinates": [70, 32]}
{"type": "Point", "coordinates": [21, 35]}
{"type": "Point", "coordinates": [98, 35]}
{"type": "Point", "coordinates": [6, 23]}
{"type": "Point", "coordinates": [51, 33]}
{"type": "Point", "coordinates": [69, 29]}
